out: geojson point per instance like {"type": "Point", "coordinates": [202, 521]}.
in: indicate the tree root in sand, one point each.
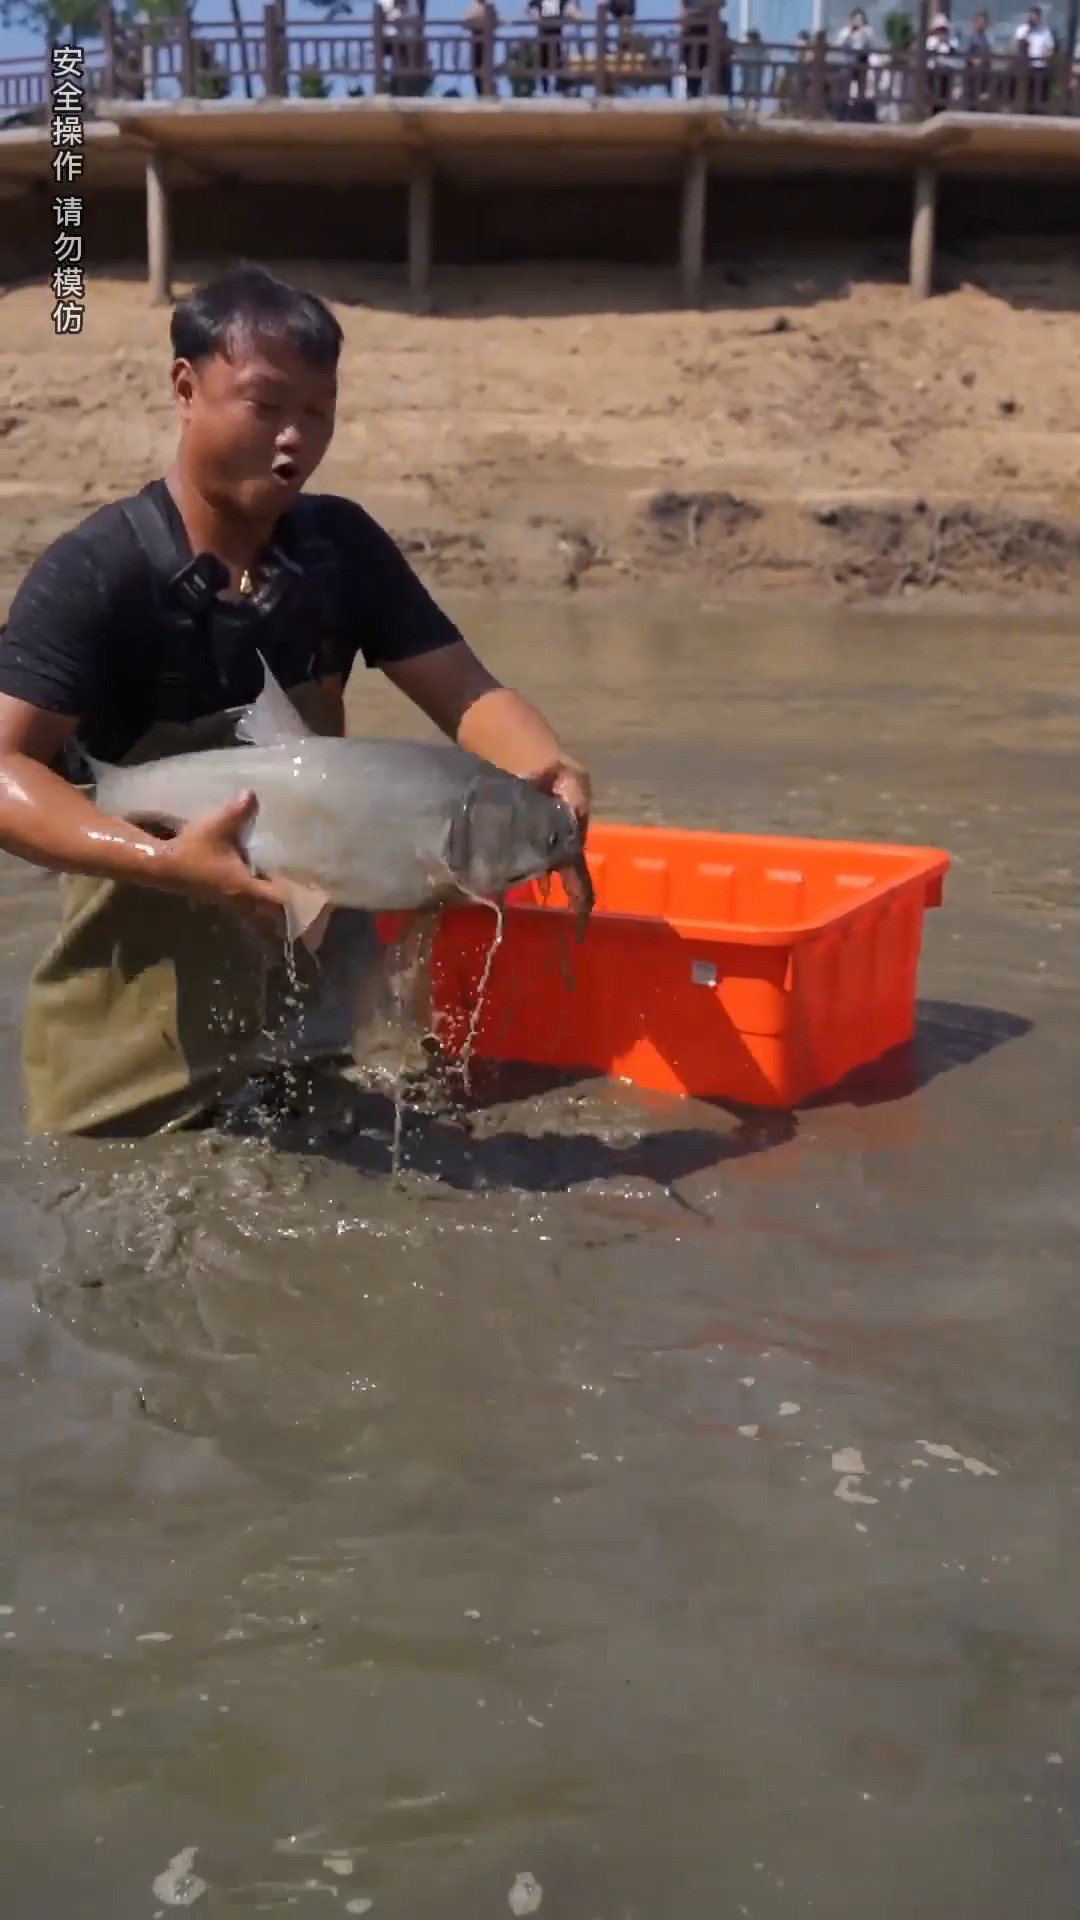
{"type": "Point", "coordinates": [876, 552]}
{"type": "Point", "coordinates": [888, 551]}
{"type": "Point", "coordinates": [678, 516]}
{"type": "Point", "coordinates": [717, 539]}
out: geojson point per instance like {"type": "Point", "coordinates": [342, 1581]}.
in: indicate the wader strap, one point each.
{"type": "Point", "coordinates": [184, 592]}
{"type": "Point", "coordinates": [189, 586]}
{"type": "Point", "coordinates": [196, 645]}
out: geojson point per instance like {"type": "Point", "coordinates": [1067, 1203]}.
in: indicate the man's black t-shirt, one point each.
{"type": "Point", "coordinates": [84, 634]}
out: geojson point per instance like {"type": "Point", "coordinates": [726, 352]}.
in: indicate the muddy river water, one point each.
{"type": "Point", "coordinates": [678, 1511]}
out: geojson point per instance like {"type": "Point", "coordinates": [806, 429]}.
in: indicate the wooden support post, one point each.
{"type": "Point", "coordinates": [1065, 57]}
{"type": "Point", "coordinates": [421, 197]}
{"type": "Point", "coordinates": [923, 218]}
{"type": "Point", "coordinates": [692, 226]}
{"type": "Point", "coordinates": [158, 239]}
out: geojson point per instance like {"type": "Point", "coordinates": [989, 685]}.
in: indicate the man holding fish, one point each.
{"type": "Point", "coordinates": [220, 606]}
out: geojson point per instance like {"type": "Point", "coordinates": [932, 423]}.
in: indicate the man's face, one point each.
{"type": "Point", "coordinates": [254, 426]}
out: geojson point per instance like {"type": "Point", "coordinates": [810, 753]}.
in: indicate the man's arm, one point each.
{"type": "Point", "coordinates": [401, 629]}
{"type": "Point", "coordinates": [51, 824]}
{"type": "Point", "coordinates": [466, 702]}
{"type": "Point", "coordinates": [50, 652]}
{"type": "Point", "coordinates": [48, 822]}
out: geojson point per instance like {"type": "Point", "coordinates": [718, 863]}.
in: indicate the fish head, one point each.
{"type": "Point", "coordinates": [506, 831]}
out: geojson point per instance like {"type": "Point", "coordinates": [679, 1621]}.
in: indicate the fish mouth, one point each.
{"type": "Point", "coordinates": [541, 869]}
{"type": "Point", "coordinates": [573, 870]}
{"type": "Point", "coordinates": [284, 468]}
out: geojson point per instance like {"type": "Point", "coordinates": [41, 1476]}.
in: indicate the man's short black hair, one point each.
{"type": "Point", "coordinates": [247, 302]}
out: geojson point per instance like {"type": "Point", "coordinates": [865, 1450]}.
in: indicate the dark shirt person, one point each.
{"type": "Point", "coordinates": [549, 16]}
{"type": "Point", "coordinates": [980, 46]}
{"type": "Point", "coordinates": [138, 633]}
{"type": "Point", "coordinates": [481, 18]}
{"type": "Point", "coordinates": [979, 55]}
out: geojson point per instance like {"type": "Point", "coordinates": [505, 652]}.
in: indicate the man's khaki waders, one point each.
{"type": "Point", "coordinates": [149, 1009]}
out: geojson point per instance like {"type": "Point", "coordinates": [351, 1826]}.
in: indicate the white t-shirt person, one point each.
{"type": "Point", "coordinates": [1034, 34]}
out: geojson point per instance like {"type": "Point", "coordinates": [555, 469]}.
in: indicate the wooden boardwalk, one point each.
{"type": "Point", "coordinates": [178, 111]}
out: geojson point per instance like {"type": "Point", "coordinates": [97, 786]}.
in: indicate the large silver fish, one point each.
{"type": "Point", "coordinates": [382, 825]}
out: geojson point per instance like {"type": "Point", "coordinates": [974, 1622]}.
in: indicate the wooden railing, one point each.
{"type": "Point", "coordinates": [606, 57]}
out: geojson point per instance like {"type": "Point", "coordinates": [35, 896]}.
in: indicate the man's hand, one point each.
{"type": "Point", "coordinates": [568, 781]}
{"type": "Point", "coordinates": [205, 862]}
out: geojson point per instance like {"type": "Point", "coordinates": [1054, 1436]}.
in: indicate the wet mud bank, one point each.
{"type": "Point", "coordinates": [811, 432]}
{"type": "Point", "coordinates": [711, 542]}
{"type": "Point", "coordinates": [717, 541]}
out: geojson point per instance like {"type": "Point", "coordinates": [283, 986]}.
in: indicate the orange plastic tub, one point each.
{"type": "Point", "coordinates": [727, 966]}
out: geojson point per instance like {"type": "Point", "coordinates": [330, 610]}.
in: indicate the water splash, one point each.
{"type": "Point", "coordinates": [293, 1013]}
{"type": "Point", "coordinates": [395, 1029]}
{"type": "Point", "coordinates": [392, 1021]}
{"type": "Point", "coordinates": [465, 1061]}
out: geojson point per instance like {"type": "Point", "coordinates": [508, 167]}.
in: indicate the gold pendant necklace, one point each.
{"type": "Point", "coordinates": [247, 585]}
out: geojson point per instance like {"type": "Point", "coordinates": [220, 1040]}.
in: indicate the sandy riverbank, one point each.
{"type": "Point", "coordinates": [808, 435]}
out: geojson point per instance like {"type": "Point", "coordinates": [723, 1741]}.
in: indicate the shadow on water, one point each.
{"type": "Point", "coordinates": [947, 1035]}
{"type": "Point", "coordinates": [449, 1145]}
{"type": "Point", "coordinates": [450, 1149]}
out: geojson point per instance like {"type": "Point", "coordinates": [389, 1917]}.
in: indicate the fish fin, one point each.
{"type": "Point", "coordinates": [307, 912]}
{"type": "Point", "coordinates": [272, 719]}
